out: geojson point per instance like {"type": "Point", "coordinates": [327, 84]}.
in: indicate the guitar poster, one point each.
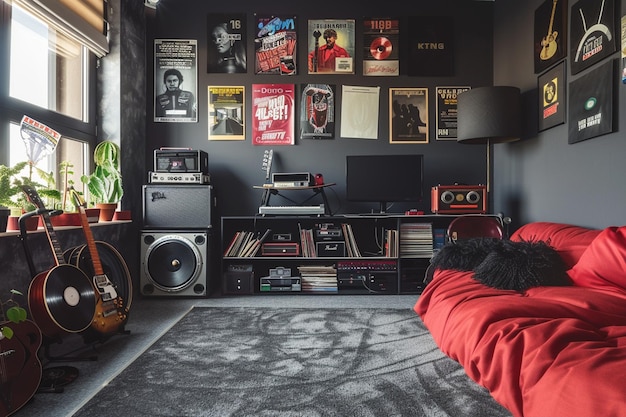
{"type": "Point", "coordinates": [226, 113]}
{"type": "Point", "coordinates": [431, 46]}
{"type": "Point", "coordinates": [381, 47]}
{"type": "Point", "coordinates": [226, 49]}
{"type": "Point", "coordinates": [331, 46]}
{"type": "Point", "coordinates": [317, 111]}
{"type": "Point", "coordinates": [273, 114]}
{"type": "Point", "coordinates": [593, 30]}
{"type": "Point", "coordinates": [591, 104]}
{"type": "Point", "coordinates": [275, 45]}
{"type": "Point", "coordinates": [550, 34]}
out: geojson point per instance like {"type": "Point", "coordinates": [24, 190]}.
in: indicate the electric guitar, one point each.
{"type": "Point", "coordinates": [110, 312]}
{"type": "Point", "coordinates": [20, 368]}
{"type": "Point", "coordinates": [61, 299]}
{"type": "Point", "coordinates": [268, 155]}
{"type": "Point", "coordinates": [548, 43]}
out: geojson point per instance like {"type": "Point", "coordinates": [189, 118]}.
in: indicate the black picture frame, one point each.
{"type": "Point", "coordinates": [592, 103]}
{"type": "Point", "coordinates": [593, 31]}
{"type": "Point", "coordinates": [552, 97]}
{"type": "Point", "coordinates": [550, 44]}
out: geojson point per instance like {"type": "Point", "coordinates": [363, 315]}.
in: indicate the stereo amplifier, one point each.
{"type": "Point", "coordinates": [296, 179]}
{"type": "Point", "coordinates": [180, 160]}
{"type": "Point", "coordinates": [178, 178]}
{"type": "Point", "coordinates": [458, 199]}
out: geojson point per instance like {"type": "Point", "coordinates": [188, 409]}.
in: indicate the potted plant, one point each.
{"type": "Point", "coordinates": [70, 215]}
{"type": "Point", "coordinates": [7, 190]}
{"type": "Point", "coordinates": [105, 183]}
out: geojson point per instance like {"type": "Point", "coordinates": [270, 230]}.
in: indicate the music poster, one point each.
{"type": "Point", "coordinates": [331, 46]}
{"type": "Point", "coordinates": [551, 87]}
{"type": "Point", "coordinates": [359, 112]}
{"type": "Point", "coordinates": [591, 103]}
{"type": "Point", "coordinates": [226, 45]}
{"type": "Point", "coordinates": [381, 48]}
{"type": "Point", "coordinates": [273, 114]}
{"type": "Point", "coordinates": [550, 34]}
{"type": "Point", "coordinates": [447, 111]}
{"type": "Point", "coordinates": [175, 80]}
{"type": "Point", "coordinates": [431, 46]}
{"type": "Point", "coordinates": [226, 113]}
{"type": "Point", "coordinates": [317, 111]}
{"type": "Point", "coordinates": [593, 26]}
{"type": "Point", "coordinates": [408, 115]}
{"type": "Point", "coordinates": [275, 45]}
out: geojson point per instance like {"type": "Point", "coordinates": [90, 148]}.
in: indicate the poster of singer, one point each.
{"type": "Point", "coordinates": [275, 45]}
{"type": "Point", "coordinates": [381, 47]}
{"type": "Point", "coordinates": [331, 46]}
{"type": "Point", "coordinates": [176, 80]}
{"type": "Point", "coordinates": [226, 50]}
{"type": "Point", "coordinates": [273, 114]}
{"type": "Point", "coordinates": [317, 111]}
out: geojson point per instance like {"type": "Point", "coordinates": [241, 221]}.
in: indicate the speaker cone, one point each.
{"type": "Point", "coordinates": [173, 263]}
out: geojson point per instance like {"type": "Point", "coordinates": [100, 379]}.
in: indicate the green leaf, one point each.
{"type": "Point", "coordinates": [7, 332]}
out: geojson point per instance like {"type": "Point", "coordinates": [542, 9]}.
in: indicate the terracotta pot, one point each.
{"type": "Point", "coordinates": [107, 210]}
{"type": "Point", "coordinates": [63, 219]}
{"type": "Point", "coordinates": [93, 214]}
{"type": "Point", "coordinates": [4, 218]}
{"type": "Point", "coordinates": [32, 223]}
{"type": "Point", "coordinates": [122, 215]}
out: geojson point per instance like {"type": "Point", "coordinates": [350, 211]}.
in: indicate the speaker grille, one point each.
{"type": "Point", "coordinates": [177, 206]}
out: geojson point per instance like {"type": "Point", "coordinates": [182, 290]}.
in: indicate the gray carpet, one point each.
{"type": "Point", "coordinates": [220, 361]}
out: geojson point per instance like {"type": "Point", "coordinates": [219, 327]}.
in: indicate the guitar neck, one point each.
{"type": "Point", "coordinates": [52, 238]}
{"type": "Point", "coordinates": [552, 17]}
{"type": "Point", "coordinates": [91, 243]}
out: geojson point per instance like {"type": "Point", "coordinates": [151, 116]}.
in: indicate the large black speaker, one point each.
{"type": "Point", "coordinates": [174, 262]}
{"type": "Point", "coordinates": [178, 206]}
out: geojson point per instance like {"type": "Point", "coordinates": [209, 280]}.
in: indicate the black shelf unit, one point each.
{"type": "Point", "coordinates": [375, 272]}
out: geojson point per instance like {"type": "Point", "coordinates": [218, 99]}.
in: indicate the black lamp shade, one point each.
{"type": "Point", "coordinates": [489, 115]}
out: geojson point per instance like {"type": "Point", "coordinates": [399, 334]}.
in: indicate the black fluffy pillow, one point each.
{"type": "Point", "coordinates": [503, 264]}
{"type": "Point", "coordinates": [522, 265]}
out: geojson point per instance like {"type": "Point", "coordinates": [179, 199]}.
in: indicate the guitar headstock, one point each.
{"type": "Point", "coordinates": [268, 155]}
{"type": "Point", "coordinates": [33, 196]}
{"type": "Point", "coordinates": [77, 199]}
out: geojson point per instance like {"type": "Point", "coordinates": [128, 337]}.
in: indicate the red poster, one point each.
{"type": "Point", "coordinates": [273, 114]}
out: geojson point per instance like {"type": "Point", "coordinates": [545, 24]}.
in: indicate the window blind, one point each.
{"type": "Point", "coordinates": [81, 20]}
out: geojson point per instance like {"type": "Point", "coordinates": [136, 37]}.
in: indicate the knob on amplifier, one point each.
{"type": "Point", "coordinates": [459, 199]}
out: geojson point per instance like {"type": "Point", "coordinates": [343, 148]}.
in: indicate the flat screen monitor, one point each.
{"type": "Point", "coordinates": [385, 179]}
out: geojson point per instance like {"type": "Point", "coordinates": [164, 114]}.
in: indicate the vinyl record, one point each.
{"type": "Point", "coordinates": [380, 48]}
{"type": "Point", "coordinates": [58, 376]}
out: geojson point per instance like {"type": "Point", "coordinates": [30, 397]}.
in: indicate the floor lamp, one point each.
{"type": "Point", "coordinates": [488, 115]}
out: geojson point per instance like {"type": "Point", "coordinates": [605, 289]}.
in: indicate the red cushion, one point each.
{"type": "Point", "coordinates": [603, 264]}
{"type": "Point", "coordinates": [569, 240]}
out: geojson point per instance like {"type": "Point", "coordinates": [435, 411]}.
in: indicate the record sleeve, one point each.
{"type": "Point", "coordinates": [381, 47]}
{"type": "Point", "coordinates": [275, 45]}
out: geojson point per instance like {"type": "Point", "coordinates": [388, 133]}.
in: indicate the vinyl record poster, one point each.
{"type": "Point", "coordinates": [226, 112]}
{"type": "Point", "coordinates": [273, 114]}
{"type": "Point", "coordinates": [275, 45]}
{"type": "Point", "coordinates": [591, 104]}
{"type": "Point", "coordinates": [317, 111]}
{"type": "Point", "coordinates": [226, 46]}
{"type": "Point", "coordinates": [447, 98]}
{"type": "Point", "coordinates": [175, 80]}
{"type": "Point", "coordinates": [593, 33]}
{"type": "Point", "coordinates": [381, 49]}
{"type": "Point", "coordinates": [331, 46]}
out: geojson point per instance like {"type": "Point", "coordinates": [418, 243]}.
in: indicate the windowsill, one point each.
{"type": "Point", "coordinates": [60, 228]}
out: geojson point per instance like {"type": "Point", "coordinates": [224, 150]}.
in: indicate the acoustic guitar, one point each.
{"type": "Point", "coordinates": [110, 311]}
{"type": "Point", "coordinates": [61, 300]}
{"type": "Point", "coordinates": [548, 43]}
{"type": "Point", "coordinates": [20, 368]}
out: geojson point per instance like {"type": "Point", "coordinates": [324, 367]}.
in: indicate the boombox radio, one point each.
{"type": "Point", "coordinates": [458, 199]}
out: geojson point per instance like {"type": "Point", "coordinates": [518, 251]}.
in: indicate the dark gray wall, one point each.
{"type": "Point", "coordinates": [235, 166]}
{"type": "Point", "coordinates": [542, 177]}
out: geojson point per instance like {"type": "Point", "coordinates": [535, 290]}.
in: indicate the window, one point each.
{"type": "Point", "coordinates": [51, 80]}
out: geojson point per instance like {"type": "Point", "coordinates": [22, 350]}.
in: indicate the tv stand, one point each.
{"type": "Point", "coordinates": [269, 190]}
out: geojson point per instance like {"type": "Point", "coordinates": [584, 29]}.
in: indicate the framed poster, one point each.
{"type": "Point", "coordinates": [175, 80]}
{"type": "Point", "coordinates": [273, 114]}
{"type": "Point", "coordinates": [317, 111]}
{"type": "Point", "coordinates": [591, 103]}
{"type": "Point", "coordinates": [408, 115]}
{"type": "Point", "coordinates": [593, 31]}
{"type": "Point", "coordinates": [275, 45]}
{"type": "Point", "coordinates": [550, 34]}
{"type": "Point", "coordinates": [359, 112]}
{"type": "Point", "coordinates": [381, 46]}
{"type": "Point", "coordinates": [447, 111]}
{"type": "Point", "coordinates": [226, 113]}
{"type": "Point", "coordinates": [551, 88]}
{"type": "Point", "coordinates": [226, 46]}
{"type": "Point", "coordinates": [331, 46]}
{"type": "Point", "coordinates": [431, 46]}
